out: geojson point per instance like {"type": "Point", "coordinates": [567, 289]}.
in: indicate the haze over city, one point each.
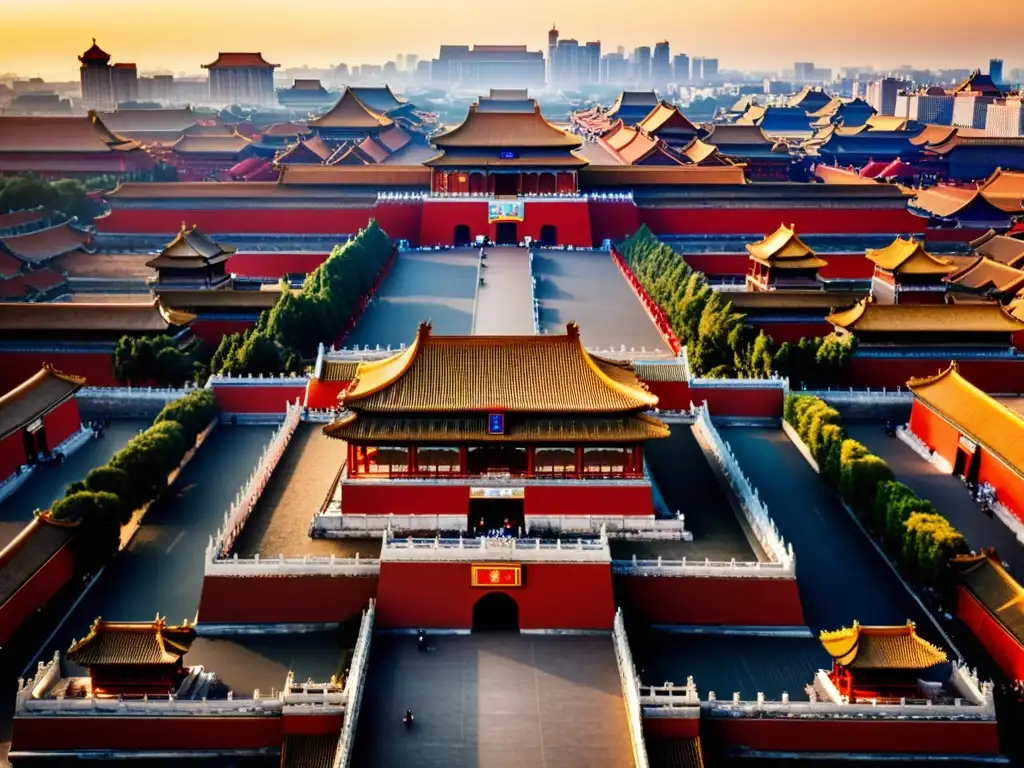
{"type": "Point", "coordinates": [42, 38]}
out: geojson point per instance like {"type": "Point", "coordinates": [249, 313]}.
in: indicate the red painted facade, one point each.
{"type": "Point", "coordinates": [62, 422]}
{"type": "Point", "coordinates": [671, 727]}
{"type": "Point", "coordinates": [992, 375]}
{"type": "Point", "coordinates": [257, 398]}
{"type": "Point", "coordinates": [936, 737]}
{"type": "Point", "coordinates": [755, 402]}
{"type": "Point", "coordinates": [274, 265]}
{"type": "Point", "coordinates": [934, 431]}
{"type": "Point", "coordinates": [397, 499]}
{"type": "Point", "coordinates": [96, 367]}
{"type": "Point", "coordinates": [612, 220]}
{"type": "Point", "coordinates": [588, 499]}
{"type": "Point", "coordinates": [439, 596]}
{"type": "Point", "coordinates": [55, 574]}
{"type": "Point", "coordinates": [1003, 647]}
{"type": "Point", "coordinates": [297, 724]}
{"type": "Point", "coordinates": [147, 733]}
{"type": "Point", "coordinates": [757, 221]}
{"type": "Point", "coordinates": [12, 454]}
{"type": "Point", "coordinates": [712, 602]}
{"type": "Point", "coordinates": [570, 217]}
{"type": "Point", "coordinates": [284, 599]}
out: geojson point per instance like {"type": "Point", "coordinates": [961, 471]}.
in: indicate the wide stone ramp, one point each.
{"type": "Point", "coordinates": [494, 701]}
{"type": "Point", "coordinates": [504, 304]}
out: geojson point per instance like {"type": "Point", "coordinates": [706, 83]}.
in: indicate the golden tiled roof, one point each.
{"type": "Point", "coordinates": [933, 134]}
{"type": "Point", "coordinates": [506, 130]}
{"type": "Point", "coordinates": [350, 112]}
{"type": "Point", "coordinates": [945, 201]}
{"type": "Point", "coordinates": [666, 115]}
{"type": "Point", "coordinates": [985, 577]}
{"type": "Point", "coordinates": [661, 371]}
{"type": "Point", "coordinates": [886, 123]}
{"type": "Point", "coordinates": [868, 316]}
{"type": "Point", "coordinates": [566, 429]}
{"type": "Point", "coordinates": [908, 257]}
{"type": "Point", "coordinates": [153, 642]}
{"type": "Point", "coordinates": [1005, 190]}
{"type": "Point", "coordinates": [525, 374]}
{"type": "Point", "coordinates": [987, 274]}
{"type": "Point", "coordinates": [698, 152]}
{"type": "Point", "coordinates": [982, 418]}
{"type": "Point", "coordinates": [783, 249]}
{"type": "Point", "coordinates": [191, 248]}
{"type": "Point", "coordinates": [1005, 250]}
{"type": "Point", "coordinates": [339, 370]}
{"type": "Point", "coordinates": [138, 317]}
{"type": "Point", "coordinates": [861, 647]}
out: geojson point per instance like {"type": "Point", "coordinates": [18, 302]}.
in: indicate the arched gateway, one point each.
{"type": "Point", "coordinates": [461, 236]}
{"type": "Point", "coordinates": [496, 612]}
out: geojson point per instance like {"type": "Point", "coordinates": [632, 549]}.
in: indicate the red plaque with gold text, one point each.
{"type": "Point", "coordinates": [497, 575]}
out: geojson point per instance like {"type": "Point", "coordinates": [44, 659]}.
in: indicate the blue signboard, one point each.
{"type": "Point", "coordinates": [496, 424]}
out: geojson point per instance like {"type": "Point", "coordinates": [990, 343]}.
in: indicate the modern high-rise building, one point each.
{"type": "Point", "coordinates": [614, 69]}
{"type": "Point", "coordinates": [681, 68]}
{"type": "Point", "coordinates": [995, 70]}
{"type": "Point", "coordinates": [124, 81]}
{"type": "Point", "coordinates": [661, 65]}
{"type": "Point", "coordinates": [242, 78]}
{"type": "Point", "coordinates": [552, 44]}
{"type": "Point", "coordinates": [1005, 118]}
{"type": "Point", "coordinates": [488, 66]}
{"type": "Point", "coordinates": [564, 65]}
{"type": "Point", "coordinates": [704, 70]}
{"type": "Point", "coordinates": [641, 65]}
{"type": "Point", "coordinates": [803, 71]}
{"type": "Point", "coordinates": [411, 60]}
{"type": "Point", "coordinates": [881, 94]}
{"type": "Point", "coordinates": [590, 62]}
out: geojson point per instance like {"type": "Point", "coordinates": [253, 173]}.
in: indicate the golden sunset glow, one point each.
{"type": "Point", "coordinates": [45, 36]}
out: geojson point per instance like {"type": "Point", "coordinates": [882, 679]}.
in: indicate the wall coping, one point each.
{"type": "Point", "coordinates": [225, 380]}
{"type": "Point", "coordinates": [630, 690]}
{"type": "Point", "coordinates": [501, 549]}
{"type": "Point", "coordinates": [354, 688]}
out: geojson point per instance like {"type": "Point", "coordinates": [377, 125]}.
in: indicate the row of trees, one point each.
{"type": "Point", "coordinates": [919, 539]}
{"type": "Point", "coordinates": [718, 343]}
{"type": "Point", "coordinates": [105, 500]}
{"type": "Point", "coordinates": [160, 360]}
{"type": "Point", "coordinates": [331, 296]}
{"type": "Point", "coordinates": [66, 197]}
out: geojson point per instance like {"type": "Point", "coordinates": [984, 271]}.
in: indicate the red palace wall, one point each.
{"type": "Point", "coordinates": [376, 499]}
{"type": "Point", "coordinates": [310, 725]}
{"type": "Point", "coordinates": [1008, 484]}
{"type": "Point", "coordinates": [850, 266]}
{"type": "Point", "coordinates": [147, 733]}
{"type": "Point", "coordinates": [791, 332]}
{"type": "Point", "coordinates": [257, 398]}
{"type": "Point", "coordinates": [671, 727]}
{"type": "Point", "coordinates": [218, 222]}
{"type": "Point", "coordinates": [284, 599]}
{"type": "Point", "coordinates": [572, 219]}
{"type": "Point", "coordinates": [597, 499]}
{"type": "Point", "coordinates": [993, 375]}
{"type": "Point", "coordinates": [612, 220]}
{"type": "Point", "coordinates": [212, 331]}
{"type": "Point", "coordinates": [439, 596]}
{"type": "Point", "coordinates": [755, 403]}
{"type": "Point", "coordinates": [62, 422]}
{"type": "Point", "coordinates": [882, 736]}
{"type": "Point", "coordinates": [712, 602]}
{"type": "Point", "coordinates": [402, 221]}
{"type": "Point", "coordinates": [12, 454]}
{"type": "Point", "coordinates": [275, 265]}
{"type": "Point", "coordinates": [934, 431]}
{"type": "Point", "coordinates": [96, 367]}
{"type": "Point", "coordinates": [759, 221]}
{"type": "Point", "coordinates": [672, 395]}
{"type": "Point", "coordinates": [1003, 647]}
{"type": "Point", "coordinates": [55, 573]}
{"type": "Point", "coordinates": [324, 394]}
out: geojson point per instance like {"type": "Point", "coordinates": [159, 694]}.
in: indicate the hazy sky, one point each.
{"type": "Point", "coordinates": [45, 36]}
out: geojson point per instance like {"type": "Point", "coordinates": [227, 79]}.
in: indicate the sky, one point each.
{"type": "Point", "coordinates": [44, 37]}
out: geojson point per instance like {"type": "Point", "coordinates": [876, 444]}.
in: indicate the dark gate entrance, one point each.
{"type": "Point", "coordinates": [496, 612]}
{"type": "Point", "coordinates": [461, 235]}
{"type": "Point", "coordinates": [549, 235]}
{"type": "Point", "coordinates": [506, 184]}
{"type": "Point", "coordinates": [506, 233]}
{"type": "Point", "coordinates": [486, 515]}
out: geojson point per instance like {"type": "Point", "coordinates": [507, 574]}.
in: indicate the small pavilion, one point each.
{"type": "Point", "coordinates": [191, 261]}
{"type": "Point", "coordinates": [905, 273]}
{"type": "Point", "coordinates": [782, 260]}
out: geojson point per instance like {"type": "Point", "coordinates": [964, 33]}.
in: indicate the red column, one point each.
{"type": "Point", "coordinates": [529, 460]}
{"type": "Point", "coordinates": [351, 459]}
{"type": "Point", "coordinates": [463, 452]}
{"type": "Point", "coordinates": [579, 461]}
{"type": "Point", "coordinates": [638, 460]}
{"type": "Point", "coordinates": [413, 464]}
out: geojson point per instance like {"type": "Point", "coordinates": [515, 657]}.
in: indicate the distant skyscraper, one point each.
{"type": "Point", "coordinates": [565, 64]}
{"type": "Point", "coordinates": [614, 69]}
{"type": "Point", "coordinates": [704, 70]}
{"type": "Point", "coordinates": [124, 81]}
{"type": "Point", "coordinates": [803, 71]}
{"type": "Point", "coordinates": [995, 70]}
{"type": "Point", "coordinates": [681, 68]}
{"type": "Point", "coordinates": [661, 65]}
{"type": "Point", "coordinates": [881, 94]}
{"type": "Point", "coordinates": [411, 60]}
{"type": "Point", "coordinates": [488, 66]}
{"type": "Point", "coordinates": [552, 44]}
{"type": "Point", "coordinates": [97, 88]}
{"type": "Point", "coordinates": [590, 70]}
{"type": "Point", "coordinates": [642, 65]}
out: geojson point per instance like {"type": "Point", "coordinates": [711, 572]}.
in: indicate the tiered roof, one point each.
{"type": "Point", "coordinates": [631, 146]}
{"type": "Point", "coordinates": [132, 643]}
{"type": "Point", "coordinates": [36, 397]}
{"type": "Point", "coordinates": [988, 275]}
{"type": "Point", "coordinates": [351, 113]}
{"type": "Point", "coordinates": [95, 55]}
{"type": "Point", "coordinates": [308, 151]}
{"type": "Point", "coordinates": [219, 144]}
{"type": "Point", "coordinates": [191, 249]}
{"type": "Point", "coordinates": [897, 648]}
{"type": "Point", "coordinates": [11, 222]}
{"type": "Point", "coordinates": [501, 130]}
{"type": "Point", "coordinates": [378, 98]}
{"type": "Point", "coordinates": [984, 576]}
{"type": "Point", "coordinates": [908, 257]}
{"type": "Point", "coordinates": [668, 122]}
{"type": "Point", "coordinates": [632, 106]}
{"type": "Point", "coordinates": [699, 152]}
{"type": "Point", "coordinates": [744, 141]}
{"type": "Point", "coordinates": [240, 61]}
{"type": "Point", "coordinates": [982, 418]}
{"type": "Point", "coordinates": [867, 316]}
{"type": "Point", "coordinates": [977, 83]}
{"type": "Point", "coordinates": [20, 134]}
{"type": "Point", "coordinates": [934, 134]}
{"type": "Point", "coordinates": [783, 249]}
{"type": "Point", "coordinates": [809, 99]}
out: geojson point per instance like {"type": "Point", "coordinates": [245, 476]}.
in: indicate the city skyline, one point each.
{"type": "Point", "coordinates": [46, 37]}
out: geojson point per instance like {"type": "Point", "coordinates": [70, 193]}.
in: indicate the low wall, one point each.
{"type": "Point", "coordinates": [630, 690]}
{"type": "Point", "coordinates": [125, 402]}
{"type": "Point", "coordinates": [256, 395]}
{"type": "Point", "coordinates": [354, 688]}
{"type": "Point", "coordinates": [755, 599]}
{"type": "Point", "coordinates": [893, 405]}
{"type": "Point", "coordinates": [655, 312]}
{"type": "Point", "coordinates": [284, 599]}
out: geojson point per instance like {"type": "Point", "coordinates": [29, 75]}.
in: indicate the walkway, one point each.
{"type": "Point", "coordinates": [949, 495]}
{"type": "Point", "coordinates": [280, 523]}
{"type": "Point", "coordinates": [587, 288]}
{"type": "Point", "coordinates": [841, 576]}
{"type": "Point", "coordinates": [494, 701]}
{"type": "Point", "coordinates": [161, 571]}
{"type": "Point", "coordinates": [49, 481]}
{"type": "Point", "coordinates": [438, 286]}
{"type": "Point", "coordinates": [504, 305]}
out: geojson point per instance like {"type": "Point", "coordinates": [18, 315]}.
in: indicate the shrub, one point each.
{"type": "Point", "coordinates": [193, 412]}
{"type": "Point", "coordinates": [99, 516]}
{"type": "Point", "coordinates": [115, 481]}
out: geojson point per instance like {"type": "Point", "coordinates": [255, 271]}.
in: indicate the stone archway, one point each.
{"type": "Point", "coordinates": [461, 236]}
{"type": "Point", "coordinates": [496, 612]}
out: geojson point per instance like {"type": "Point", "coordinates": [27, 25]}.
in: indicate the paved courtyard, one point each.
{"type": "Point", "coordinates": [947, 493]}
{"type": "Point", "coordinates": [587, 288]}
{"type": "Point", "coordinates": [305, 475]}
{"type": "Point", "coordinates": [504, 304]}
{"type": "Point", "coordinates": [439, 286]}
{"type": "Point", "coordinates": [494, 701]}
